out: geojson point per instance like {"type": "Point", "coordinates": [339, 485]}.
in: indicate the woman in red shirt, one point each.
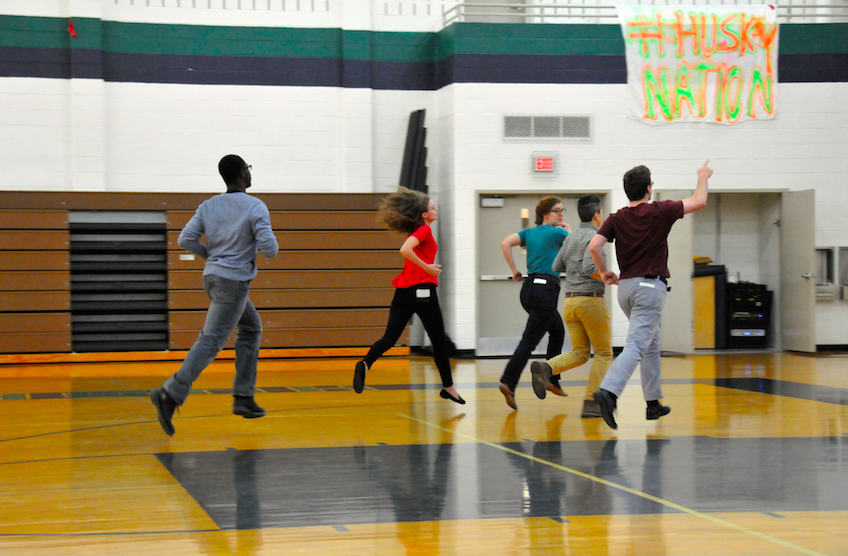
{"type": "Point", "coordinates": [412, 212]}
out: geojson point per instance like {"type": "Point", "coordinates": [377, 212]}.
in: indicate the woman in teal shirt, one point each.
{"type": "Point", "coordinates": [539, 293]}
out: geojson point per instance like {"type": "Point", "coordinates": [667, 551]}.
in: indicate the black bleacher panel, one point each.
{"type": "Point", "coordinates": [119, 281]}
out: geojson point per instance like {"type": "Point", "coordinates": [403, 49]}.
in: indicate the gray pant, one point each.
{"type": "Point", "coordinates": [642, 300]}
{"type": "Point", "coordinates": [230, 306]}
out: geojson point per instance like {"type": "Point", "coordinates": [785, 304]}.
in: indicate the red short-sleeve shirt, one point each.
{"type": "Point", "coordinates": [413, 274]}
{"type": "Point", "coordinates": [641, 233]}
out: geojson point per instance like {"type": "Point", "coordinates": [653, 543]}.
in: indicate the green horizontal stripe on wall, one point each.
{"type": "Point", "coordinates": [33, 32]}
{"type": "Point", "coordinates": [356, 45]}
{"type": "Point", "coordinates": [388, 47]}
{"type": "Point", "coordinates": [458, 39]}
{"type": "Point", "coordinates": [50, 32]}
{"type": "Point", "coordinates": [205, 40]}
{"type": "Point", "coordinates": [403, 47]}
{"type": "Point", "coordinates": [605, 39]}
{"type": "Point", "coordinates": [534, 39]}
{"type": "Point", "coordinates": [814, 38]}
{"type": "Point", "coordinates": [539, 39]}
{"type": "Point", "coordinates": [138, 38]}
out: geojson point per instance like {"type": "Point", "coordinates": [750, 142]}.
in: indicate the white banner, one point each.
{"type": "Point", "coordinates": [713, 64]}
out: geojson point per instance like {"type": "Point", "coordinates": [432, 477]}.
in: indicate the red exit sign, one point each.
{"type": "Point", "coordinates": [544, 164]}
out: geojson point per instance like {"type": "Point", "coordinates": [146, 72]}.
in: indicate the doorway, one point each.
{"type": "Point", "coordinates": [764, 240]}
{"type": "Point", "coordinates": [500, 317]}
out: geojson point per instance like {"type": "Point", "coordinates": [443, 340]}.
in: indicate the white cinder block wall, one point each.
{"type": "Point", "coordinates": [86, 135]}
{"type": "Point", "coordinates": [804, 148]}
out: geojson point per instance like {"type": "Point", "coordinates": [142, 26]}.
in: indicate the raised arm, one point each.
{"type": "Point", "coordinates": [699, 199]}
{"type": "Point", "coordinates": [511, 241]}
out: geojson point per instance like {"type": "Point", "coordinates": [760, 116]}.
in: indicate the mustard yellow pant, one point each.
{"type": "Point", "coordinates": [589, 326]}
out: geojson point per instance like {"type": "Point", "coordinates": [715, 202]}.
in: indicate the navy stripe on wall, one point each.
{"type": "Point", "coordinates": [812, 68]}
{"type": "Point", "coordinates": [18, 61]}
{"type": "Point", "coordinates": [335, 72]}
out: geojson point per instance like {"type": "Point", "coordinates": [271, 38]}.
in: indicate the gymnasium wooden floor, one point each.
{"type": "Point", "coordinates": [753, 460]}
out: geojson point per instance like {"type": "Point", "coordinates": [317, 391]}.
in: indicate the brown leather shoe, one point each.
{"type": "Point", "coordinates": [541, 374]}
{"type": "Point", "coordinates": [509, 395]}
{"type": "Point", "coordinates": [554, 389]}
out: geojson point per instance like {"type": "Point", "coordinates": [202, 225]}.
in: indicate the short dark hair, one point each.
{"type": "Point", "coordinates": [230, 168]}
{"type": "Point", "coordinates": [636, 182]}
{"type": "Point", "coordinates": [544, 207]}
{"type": "Point", "coordinates": [587, 207]}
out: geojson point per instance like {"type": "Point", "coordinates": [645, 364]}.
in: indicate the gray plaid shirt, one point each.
{"type": "Point", "coordinates": [574, 259]}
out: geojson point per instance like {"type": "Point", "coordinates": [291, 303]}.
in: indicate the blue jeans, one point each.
{"type": "Point", "coordinates": [642, 300]}
{"type": "Point", "coordinates": [230, 307]}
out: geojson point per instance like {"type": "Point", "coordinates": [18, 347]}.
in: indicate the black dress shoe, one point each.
{"type": "Point", "coordinates": [165, 406]}
{"type": "Point", "coordinates": [606, 403]}
{"type": "Point", "coordinates": [247, 408]}
{"type": "Point", "coordinates": [656, 411]}
{"type": "Point", "coordinates": [446, 395]}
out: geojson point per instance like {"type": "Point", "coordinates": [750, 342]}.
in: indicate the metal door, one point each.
{"type": "Point", "coordinates": [797, 267]}
{"type": "Point", "coordinates": [678, 326]}
{"type": "Point", "coordinates": [500, 317]}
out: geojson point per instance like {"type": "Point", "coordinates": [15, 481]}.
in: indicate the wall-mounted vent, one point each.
{"type": "Point", "coordinates": [548, 128]}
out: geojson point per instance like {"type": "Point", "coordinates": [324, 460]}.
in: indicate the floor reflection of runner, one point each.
{"type": "Point", "coordinates": [417, 487]}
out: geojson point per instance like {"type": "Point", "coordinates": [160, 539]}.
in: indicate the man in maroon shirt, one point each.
{"type": "Point", "coordinates": [641, 230]}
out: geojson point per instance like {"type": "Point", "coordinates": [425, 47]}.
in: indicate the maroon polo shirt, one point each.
{"type": "Point", "coordinates": [641, 233]}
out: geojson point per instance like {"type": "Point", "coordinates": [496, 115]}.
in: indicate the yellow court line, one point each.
{"type": "Point", "coordinates": [707, 517]}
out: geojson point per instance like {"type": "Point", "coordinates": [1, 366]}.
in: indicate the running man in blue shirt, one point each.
{"type": "Point", "coordinates": [539, 293]}
{"type": "Point", "coordinates": [237, 226]}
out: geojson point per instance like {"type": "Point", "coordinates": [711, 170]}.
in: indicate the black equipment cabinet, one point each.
{"type": "Point", "coordinates": [749, 316]}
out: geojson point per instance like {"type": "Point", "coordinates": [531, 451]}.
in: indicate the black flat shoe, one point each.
{"type": "Point", "coordinates": [446, 395]}
{"type": "Point", "coordinates": [359, 377]}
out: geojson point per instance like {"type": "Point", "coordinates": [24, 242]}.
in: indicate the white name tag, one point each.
{"type": "Point", "coordinates": [647, 285]}
{"type": "Point", "coordinates": [539, 281]}
{"type": "Point", "coordinates": [422, 294]}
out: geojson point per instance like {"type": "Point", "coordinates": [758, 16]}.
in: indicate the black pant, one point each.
{"type": "Point", "coordinates": [420, 300]}
{"type": "Point", "coordinates": [540, 302]}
